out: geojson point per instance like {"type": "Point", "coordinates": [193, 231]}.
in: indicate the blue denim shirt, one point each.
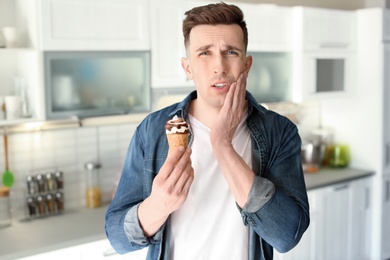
{"type": "Point", "coordinates": [277, 210]}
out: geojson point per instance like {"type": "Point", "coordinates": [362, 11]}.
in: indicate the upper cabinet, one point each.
{"type": "Point", "coordinates": [168, 44]}
{"type": "Point", "coordinates": [269, 27]}
{"type": "Point", "coordinates": [324, 53]}
{"type": "Point", "coordinates": [318, 29]}
{"type": "Point", "coordinates": [94, 25]}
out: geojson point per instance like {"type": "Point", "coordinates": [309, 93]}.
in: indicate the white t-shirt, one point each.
{"type": "Point", "coordinates": [209, 225]}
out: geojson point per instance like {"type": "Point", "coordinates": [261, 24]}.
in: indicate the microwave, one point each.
{"type": "Point", "coordinates": [96, 83]}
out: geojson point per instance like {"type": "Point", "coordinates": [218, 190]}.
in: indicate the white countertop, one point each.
{"type": "Point", "coordinates": [25, 238]}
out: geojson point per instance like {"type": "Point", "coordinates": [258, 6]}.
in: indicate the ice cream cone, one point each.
{"type": "Point", "coordinates": [177, 140]}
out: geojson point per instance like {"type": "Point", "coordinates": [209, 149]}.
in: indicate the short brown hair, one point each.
{"type": "Point", "coordinates": [213, 14]}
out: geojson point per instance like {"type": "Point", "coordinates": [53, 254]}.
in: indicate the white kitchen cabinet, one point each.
{"type": "Point", "coordinates": [336, 221]}
{"type": "Point", "coordinates": [324, 53]}
{"type": "Point", "coordinates": [361, 218]}
{"type": "Point", "coordinates": [168, 44]}
{"type": "Point", "coordinates": [262, 36]}
{"type": "Point", "coordinates": [340, 223]}
{"type": "Point", "coordinates": [23, 60]}
{"type": "Point", "coordinates": [94, 25]}
{"type": "Point", "coordinates": [311, 244]}
{"type": "Point", "coordinates": [324, 29]}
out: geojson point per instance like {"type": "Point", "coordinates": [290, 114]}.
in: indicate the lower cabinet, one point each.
{"type": "Point", "coordinates": [340, 223]}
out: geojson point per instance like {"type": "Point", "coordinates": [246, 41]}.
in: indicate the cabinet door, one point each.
{"type": "Point", "coordinates": [386, 218]}
{"type": "Point", "coordinates": [310, 246]}
{"type": "Point", "coordinates": [168, 44]}
{"type": "Point", "coordinates": [262, 36]}
{"type": "Point", "coordinates": [386, 102]}
{"type": "Point", "coordinates": [95, 25]}
{"type": "Point", "coordinates": [327, 75]}
{"type": "Point", "coordinates": [325, 28]}
{"type": "Point", "coordinates": [360, 236]}
{"type": "Point", "coordinates": [336, 221]}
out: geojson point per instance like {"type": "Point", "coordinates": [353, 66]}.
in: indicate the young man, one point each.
{"type": "Point", "coordinates": [238, 190]}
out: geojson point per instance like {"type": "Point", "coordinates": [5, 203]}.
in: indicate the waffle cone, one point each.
{"type": "Point", "coordinates": [177, 140]}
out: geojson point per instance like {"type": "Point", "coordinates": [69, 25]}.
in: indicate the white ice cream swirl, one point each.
{"type": "Point", "coordinates": [176, 125]}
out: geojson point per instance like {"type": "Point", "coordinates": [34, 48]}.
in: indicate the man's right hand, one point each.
{"type": "Point", "coordinates": [169, 190]}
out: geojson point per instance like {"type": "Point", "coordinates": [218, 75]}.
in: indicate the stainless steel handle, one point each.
{"type": "Point", "coordinates": [387, 154]}
{"type": "Point", "coordinates": [387, 192]}
{"type": "Point", "coordinates": [367, 204]}
{"type": "Point", "coordinates": [333, 45]}
{"type": "Point", "coordinates": [341, 187]}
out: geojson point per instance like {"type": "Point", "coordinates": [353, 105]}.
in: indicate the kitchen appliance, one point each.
{"type": "Point", "coordinates": [312, 156]}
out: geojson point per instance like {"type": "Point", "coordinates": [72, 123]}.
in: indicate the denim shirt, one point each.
{"type": "Point", "coordinates": [277, 210]}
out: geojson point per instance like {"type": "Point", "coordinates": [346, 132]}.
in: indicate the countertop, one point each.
{"type": "Point", "coordinates": [329, 176]}
{"type": "Point", "coordinates": [25, 238]}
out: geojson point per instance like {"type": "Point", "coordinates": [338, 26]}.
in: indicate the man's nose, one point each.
{"type": "Point", "coordinates": [220, 65]}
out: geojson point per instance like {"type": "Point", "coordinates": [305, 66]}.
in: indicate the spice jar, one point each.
{"type": "Point", "coordinates": [41, 205]}
{"type": "Point", "coordinates": [51, 182]}
{"type": "Point", "coordinates": [5, 207]}
{"type": "Point", "coordinates": [51, 203]}
{"type": "Point", "coordinates": [32, 185]}
{"type": "Point", "coordinates": [32, 207]}
{"type": "Point", "coordinates": [60, 180]}
{"type": "Point", "coordinates": [60, 201]}
{"type": "Point", "coordinates": [93, 193]}
{"type": "Point", "coordinates": [42, 184]}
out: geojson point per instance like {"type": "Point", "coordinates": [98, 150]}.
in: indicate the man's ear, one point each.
{"type": "Point", "coordinates": [185, 64]}
{"type": "Point", "coordinates": [248, 63]}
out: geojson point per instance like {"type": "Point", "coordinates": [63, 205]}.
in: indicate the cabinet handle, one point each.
{"type": "Point", "coordinates": [387, 190]}
{"type": "Point", "coordinates": [333, 45]}
{"type": "Point", "coordinates": [367, 198]}
{"type": "Point", "coordinates": [341, 187]}
{"type": "Point", "coordinates": [387, 152]}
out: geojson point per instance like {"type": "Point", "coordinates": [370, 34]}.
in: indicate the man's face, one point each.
{"type": "Point", "coordinates": [216, 57]}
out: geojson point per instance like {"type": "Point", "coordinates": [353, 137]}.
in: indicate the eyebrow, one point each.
{"type": "Point", "coordinates": [228, 47]}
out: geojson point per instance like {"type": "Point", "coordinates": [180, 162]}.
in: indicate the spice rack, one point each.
{"type": "Point", "coordinates": [45, 196]}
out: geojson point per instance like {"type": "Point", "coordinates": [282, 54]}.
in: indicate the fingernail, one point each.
{"type": "Point", "coordinates": [181, 148]}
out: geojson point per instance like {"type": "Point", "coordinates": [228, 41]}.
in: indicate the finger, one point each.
{"type": "Point", "coordinates": [172, 159]}
{"type": "Point", "coordinates": [239, 94]}
{"type": "Point", "coordinates": [185, 176]}
{"type": "Point", "coordinates": [180, 167]}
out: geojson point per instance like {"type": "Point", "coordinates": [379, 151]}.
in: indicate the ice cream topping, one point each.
{"type": "Point", "coordinates": [177, 125]}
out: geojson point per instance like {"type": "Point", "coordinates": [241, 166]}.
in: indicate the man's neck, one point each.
{"type": "Point", "coordinates": [203, 113]}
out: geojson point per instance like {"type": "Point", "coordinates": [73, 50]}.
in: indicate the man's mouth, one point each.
{"type": "Point", "coordinates": [220, 85]}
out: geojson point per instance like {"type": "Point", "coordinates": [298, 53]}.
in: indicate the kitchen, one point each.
{"type": "Point", "coordinates": [67, 144]}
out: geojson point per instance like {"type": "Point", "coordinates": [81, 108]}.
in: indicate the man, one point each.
{"type": "Point", "coordinates": [238, 190]}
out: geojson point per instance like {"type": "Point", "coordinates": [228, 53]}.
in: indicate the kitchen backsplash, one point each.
{"type": "Point", "coordinates": [67, 150]}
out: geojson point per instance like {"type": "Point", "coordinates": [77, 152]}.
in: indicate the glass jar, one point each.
{"type": "Point", "coordinates": [32, 207]}
{"type": "Point", "coordinates": [32, 185]}
{"type": "Point", "coordinates": [51, 182]}
{"type": "Point", "coordinates": [60, 201]}
{"type": "Point", "coordinates": [42, 184]}
{"type": "Point", "coordinates": [5, 207]}
{"type": "Point", "coordinates": [93, 193]}
{"type": "Point", "coordinates": [41, 205]}
{"type": "Point", "coordinates": [60, 180]}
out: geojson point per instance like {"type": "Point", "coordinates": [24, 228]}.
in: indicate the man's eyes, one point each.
{"type": "Point", "coordinates": [230, 52]}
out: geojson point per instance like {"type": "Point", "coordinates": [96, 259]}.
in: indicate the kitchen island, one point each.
{"type": "Point", "coordinates": [75, 228]}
